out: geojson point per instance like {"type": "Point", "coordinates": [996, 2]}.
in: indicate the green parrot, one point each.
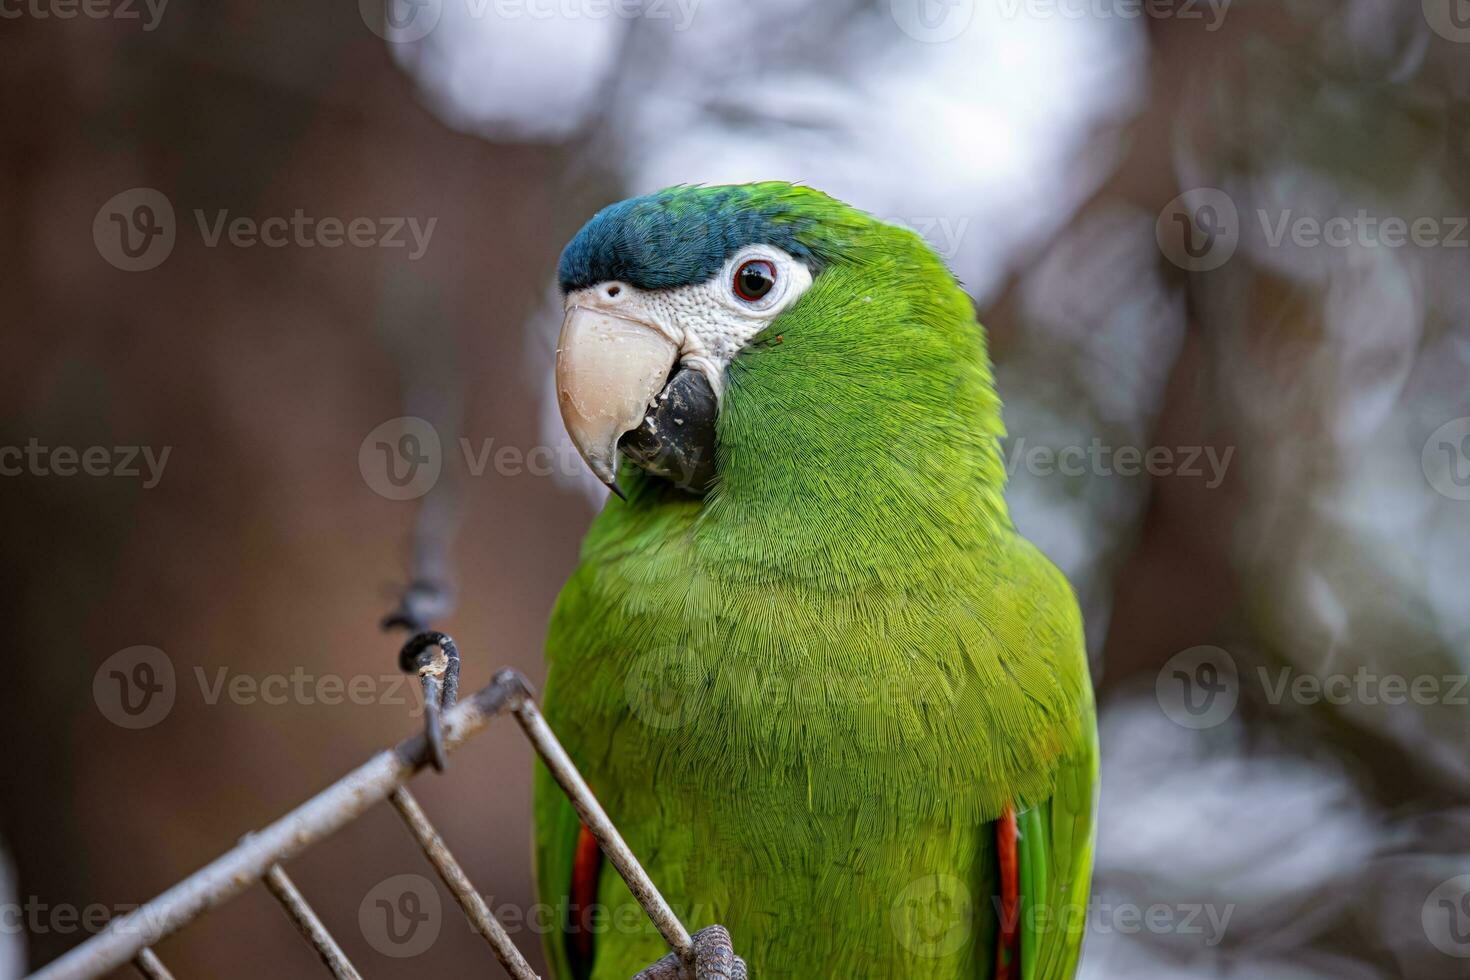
{"type": "Point", "coordinates": [832, 699]}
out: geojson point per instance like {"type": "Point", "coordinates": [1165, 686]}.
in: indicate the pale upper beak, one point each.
{"type": "Point", "coordinates": [610, 364]}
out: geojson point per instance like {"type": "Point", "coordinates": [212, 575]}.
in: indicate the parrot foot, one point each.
{"type": "Point", "coordinates": [714, 959]}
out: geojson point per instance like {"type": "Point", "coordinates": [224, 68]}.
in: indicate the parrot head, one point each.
{"type": "Point", "coordinates": [696, 317]}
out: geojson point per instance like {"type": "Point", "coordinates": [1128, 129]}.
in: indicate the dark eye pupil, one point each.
{"type": "Point", "coordinates": [754, 279]}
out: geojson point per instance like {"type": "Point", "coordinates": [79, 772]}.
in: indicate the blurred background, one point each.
{"type": "Point", "coordinates": [1221, 250]}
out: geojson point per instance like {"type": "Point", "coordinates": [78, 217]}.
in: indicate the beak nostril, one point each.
{"type": "Point", "coordinates": [613, 291]}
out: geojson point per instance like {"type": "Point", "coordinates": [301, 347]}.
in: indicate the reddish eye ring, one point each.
{"type": "Point", "coordinates": [755, 279]}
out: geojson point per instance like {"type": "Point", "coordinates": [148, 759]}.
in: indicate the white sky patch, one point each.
{"type": "Point", "coordinates": [512, 75]}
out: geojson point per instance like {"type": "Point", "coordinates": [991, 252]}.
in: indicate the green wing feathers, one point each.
{"type": "Point", "coordinates": [1056, 866]}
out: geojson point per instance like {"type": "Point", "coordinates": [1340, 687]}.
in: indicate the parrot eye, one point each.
{"type": "Point", "coordinates": [754, 279]}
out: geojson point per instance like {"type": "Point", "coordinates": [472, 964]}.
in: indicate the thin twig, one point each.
{"type": "Point", "coordinates": [596, 820]}
{"type": "Point", "coordinates": [307, 923]}
{"type": "Point", "coordinates": [460, 886]}
{"type": "Point", "coordinates": [151, 966]}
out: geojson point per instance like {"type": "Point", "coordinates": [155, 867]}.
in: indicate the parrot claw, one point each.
{"type": "Point", "coordinates": [714, 959]}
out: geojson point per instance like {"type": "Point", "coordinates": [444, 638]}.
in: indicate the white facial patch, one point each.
{"type": "Point", "coordinates": [709, 322]}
